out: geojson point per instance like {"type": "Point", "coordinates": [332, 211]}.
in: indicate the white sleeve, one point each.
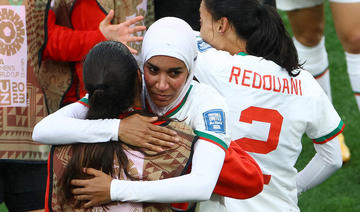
{"type": "Point", "coordinates": [325, 162]}
{"type": "Point", "coordinates": [66, 126]}
{"type": "Point", "coordinates": [196, 186]}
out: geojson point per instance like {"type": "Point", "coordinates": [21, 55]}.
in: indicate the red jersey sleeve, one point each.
{"type": "Point", "coordinates": [240, 176]}
{"type": "Point", "coordinates": [66, 44]}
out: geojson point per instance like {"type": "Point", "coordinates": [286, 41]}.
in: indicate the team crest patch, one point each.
{"type": "Point", "coordinates": [202, 45]}
{"type": "Point", "coordinates": [215, 121]}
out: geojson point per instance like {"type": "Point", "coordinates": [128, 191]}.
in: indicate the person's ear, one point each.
{"type": "Point", "coordinates": [223, 25]}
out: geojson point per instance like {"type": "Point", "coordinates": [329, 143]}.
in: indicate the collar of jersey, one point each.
{"type": "Point", "coordinates": [242, 53]}
{"type": "Point", "coordinates": [177, 107]}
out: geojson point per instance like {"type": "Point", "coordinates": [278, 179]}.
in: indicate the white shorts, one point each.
{"type": "Point", "coordinates": [288, 5]}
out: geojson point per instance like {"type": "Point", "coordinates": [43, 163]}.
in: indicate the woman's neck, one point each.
{"type": "Point", "coordinates": [232, 43]}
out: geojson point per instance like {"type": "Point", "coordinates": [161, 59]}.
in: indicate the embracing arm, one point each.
{"type": "Point", "coordinates": [67, 125]}
{"type": "Point", "coordinates": [195, 186]}
{"type": "Point", "coordinates": [325, 162]}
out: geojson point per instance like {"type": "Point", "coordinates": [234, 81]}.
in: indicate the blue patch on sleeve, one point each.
{"type": "Point", "coordinates": [202, 45]}
{"type": "Point", "coordinates": [215, 121]}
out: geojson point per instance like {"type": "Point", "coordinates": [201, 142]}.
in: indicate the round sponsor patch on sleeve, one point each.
{"type": "Point", "coordinates": [215, 121]}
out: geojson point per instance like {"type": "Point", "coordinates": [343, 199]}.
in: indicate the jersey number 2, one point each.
{"type": "Point", "coordinates": [275, 119]}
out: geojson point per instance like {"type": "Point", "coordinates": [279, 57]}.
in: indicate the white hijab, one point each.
{"type": "Point", "coordinates": [172, 37]}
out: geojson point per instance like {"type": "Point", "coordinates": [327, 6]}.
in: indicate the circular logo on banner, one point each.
{"type": "Point", "coordinates": [11, 32]}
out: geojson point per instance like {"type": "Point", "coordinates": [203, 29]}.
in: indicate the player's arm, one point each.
{"type": "Point", "coordinates": [67, 126]}
{"type": "Point", "coordinates": [325, 162]}
{"type": "Point", "coordinates": [324, 126]}
{"type": "Point", "coordinates": [195, 186]}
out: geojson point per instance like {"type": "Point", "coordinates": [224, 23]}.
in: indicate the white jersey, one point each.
{"type": "Point", "coordinates": [269, 113]}
{"type": "Point", "coordinates": [204, 109]}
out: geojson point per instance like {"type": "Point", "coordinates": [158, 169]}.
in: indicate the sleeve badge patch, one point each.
{"type": "Point", "coordinates": [202, 45]}
{"type": "Point", "coordinates": [215, 121]}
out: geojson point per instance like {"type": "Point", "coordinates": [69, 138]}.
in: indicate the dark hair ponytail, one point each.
{"type": "Point", "coordinates": [262, 28]}
{"type": "Point", "coordinates": [111, 79]}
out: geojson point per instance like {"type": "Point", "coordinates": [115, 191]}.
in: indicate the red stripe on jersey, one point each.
{"type": "Point", "coordinates": [83, 103]}
{"type": "Point", "coordinates": [330, 138]}
{"type": "Point", "coordinates": [321, 74]}
{"type": "Point", "coordinates": [47, 192]}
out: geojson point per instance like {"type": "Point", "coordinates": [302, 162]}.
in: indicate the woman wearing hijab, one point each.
{"type": "Point", "coordinates": [169, 52]}
{"type": "Point", "coordinates": [272, 101]}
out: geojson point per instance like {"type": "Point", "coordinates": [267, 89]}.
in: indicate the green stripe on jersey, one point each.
{"type": "Point", "coordinates": [212, 138]}
{"type": "Point", "coordinates": [334, 132]}
{"type": "Point", "coordinates": [84, 100]}
{"type": "Point", "coordinates": [180, 105]}
{"type": "Point", "coordinates": [242, 53]}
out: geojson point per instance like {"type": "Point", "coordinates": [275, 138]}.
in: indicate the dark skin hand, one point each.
{"type": "Point", "coordinates": [140, 131]}
{"type": "Point", "coordinates": [94, 191]}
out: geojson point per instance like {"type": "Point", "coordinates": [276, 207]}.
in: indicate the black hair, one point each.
{"type": "Point", "coordinates": [262, 28]}
{"type": "Point", "coordinates": [111, 79]}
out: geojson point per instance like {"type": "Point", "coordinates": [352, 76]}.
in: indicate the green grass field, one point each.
{"type": "Point", "coordinates": [341, 192]}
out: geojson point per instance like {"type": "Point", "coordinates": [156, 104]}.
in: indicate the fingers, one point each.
{"type": "Point", "coordinates": [136, 29]}
{"type": "Point", "coordinates": [165, 141]}
{"type": "Point", "coordinates": [79, 191]}
{"type": "Point", "coordinates": [132, 50]}
{"type": "Point", "coordinates": [135, 39]}
{"type": "Point", "coordinates": [82, 197]}
{"type": "Point", "coordinates": [133, 20]}
{"type": "Point", "coordinates": [163, 131]}
{"type": "Point", "coordinates": [93, 172]}
{"type": "Point", "coordinates": [109, 17]}
{"type": "Point", "coordinates": [79, 183]}
{"type": "Point", "coordinates": [89, 204]}
{"type": "Point", "coordinates": [149, 119]}
{"type": "Point", "coordinates": [152, 147]}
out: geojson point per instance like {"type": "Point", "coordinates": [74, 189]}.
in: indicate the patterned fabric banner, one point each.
{"type": "Point", "coordinates": [22, 102]}
{"type": "Point", "coordinates": [13, 46]}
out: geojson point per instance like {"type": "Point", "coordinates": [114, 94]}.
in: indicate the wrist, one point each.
{"type": "Point", "coordinates": [101, 35]}
{"type": "Point", "coordinates": [116, 131]}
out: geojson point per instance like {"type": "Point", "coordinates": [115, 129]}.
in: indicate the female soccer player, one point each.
{"type": "Point", "coordinates": [272, 102]}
